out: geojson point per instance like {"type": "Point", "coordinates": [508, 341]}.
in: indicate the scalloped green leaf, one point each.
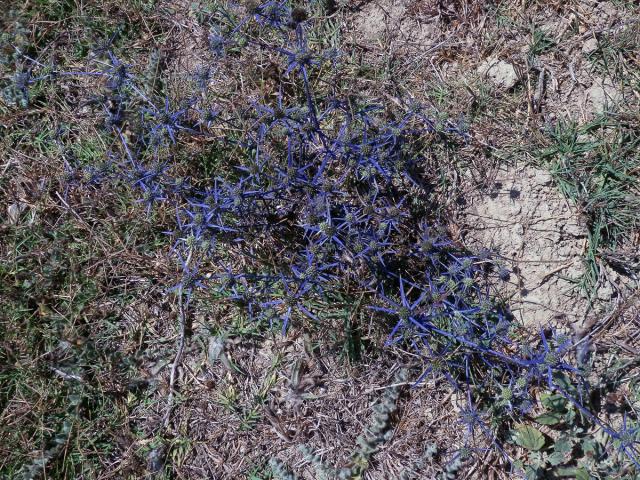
{"type": "Point", "coordinates": [550, 418]}
{"type": "Point", "coordinates": [563, 445]}
{"type": "Point", "coordinates": [555, 458]}
{"type": "Point", "coordinates": [529, 437]}
{"type": "Point", "coordinates": [553, 401]}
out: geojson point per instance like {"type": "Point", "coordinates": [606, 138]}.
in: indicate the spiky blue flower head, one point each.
{"type": "Point", "coordinates": [272, 13]}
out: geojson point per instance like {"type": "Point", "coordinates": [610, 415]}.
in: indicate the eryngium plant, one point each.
{"type": "Point", "coordinates": [319, 193]}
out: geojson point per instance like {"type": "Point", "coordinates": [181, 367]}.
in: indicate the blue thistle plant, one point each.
{"type": "Point", "coordinates": [321, 194]}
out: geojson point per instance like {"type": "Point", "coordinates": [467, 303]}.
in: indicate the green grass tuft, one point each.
{"type": "Point", "coordinates": [597, 166]}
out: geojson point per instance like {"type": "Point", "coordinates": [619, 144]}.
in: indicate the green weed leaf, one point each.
{"type": "Point", "coordinates": [553, 401]}
{"type": "Point", "coordinates": [556, 458]}
{"type": "Point", "coordinates": [582, 474]}
{"type": "Point", "coordinates": [550, 418]}
{"type": "Point", "coordinates": [563, 445]}
{"type": "Point", "coordinates": [589, 447]}
{"type": "Point", "coordinates": [574, 473]}
{"type": "Point", "coordinates": [528, 437]}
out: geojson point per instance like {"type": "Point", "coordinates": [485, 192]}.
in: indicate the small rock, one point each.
{"type": "Point", "coordinates": [501, 73]}
{"type": "Point", "coordinates": [590, 46]}
{"type": "Point", "coordinates": [542, 178]}
{"type": "Point", "coordinates": [574, 229]}
{"type": "Point", "coordinates": [603, 96]}
{"type": "Point", "coordinates": [605, 291]}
